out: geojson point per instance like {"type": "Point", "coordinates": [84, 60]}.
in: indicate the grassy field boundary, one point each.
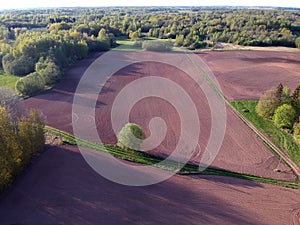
{"type": "Point", "coordinates": [149, 159]}
{"type": "Point", "coordinates": [7, 80]}
{"type": "Point", "coordinates": [279, 138]}
{"type": "Point", "coordinates": [289, 155]}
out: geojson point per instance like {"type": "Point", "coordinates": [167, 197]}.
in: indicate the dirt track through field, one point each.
{"type": "Point", "coordinates": [60, 188]}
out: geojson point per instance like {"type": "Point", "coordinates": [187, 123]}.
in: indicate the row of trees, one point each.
{"type": "Point", "coordinates": [188, 26]}
{"type": "Point", "coordinates": [281, 106]}
{"type": "Point", "coordinates": [56, 38]}
{"type": "Point", "coordinates": [40, 56]}
{"type": "Point", "coordinates": [20, 139]}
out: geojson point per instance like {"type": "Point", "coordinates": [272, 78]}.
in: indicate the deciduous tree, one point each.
{"type": "Point", "coordinates": [131, 136]}
{"type": "Point", "coordinates": [268, 103]}
{"type": "Point", "coordinates": [284, 116]}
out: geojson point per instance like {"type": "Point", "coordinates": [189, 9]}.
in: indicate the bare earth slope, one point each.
{"type": "Point", "coordinates": [60, 188]}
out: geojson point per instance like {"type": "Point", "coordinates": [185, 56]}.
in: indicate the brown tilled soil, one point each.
{"type": "Point", "coordinates": [247, 74]}
{"type": "Point", "coordinates": [241, 150]}
{"type": "Point", "coordinates": [60, 188]}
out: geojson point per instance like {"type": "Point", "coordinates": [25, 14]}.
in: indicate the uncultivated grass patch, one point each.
{"type": "Point", "coordinates": [8, 80]}
{"type": "Point", "coordinates": [280, 138]}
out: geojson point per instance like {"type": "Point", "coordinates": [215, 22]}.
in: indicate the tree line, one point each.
{"type": "Point", "coordinates": [282, 107]}
{"type": "Point", "coordinates": [38, 44]}
{"type": "Point", "coordinates": [190, 27]}
{"type": "Point", "coordinates": [40, 57]}
{"type": "Point", "coordinates": [20, 139]}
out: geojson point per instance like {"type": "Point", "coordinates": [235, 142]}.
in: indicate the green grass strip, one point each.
{"type": "Point", "coordinates": [280, 138]}
{"type": "Point", "coordinates": [206, 77]}
{"type": "Point", "coordinates": [8, 80]}
{"type": "Point", "coordinates": [169, 165]}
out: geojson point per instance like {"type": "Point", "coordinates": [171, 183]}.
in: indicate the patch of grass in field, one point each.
{"type": "Point", "coordinates": [8, 80]}
{"type": "Point", "coordinates": [169, 165]}
{"type": "Point", "coordinates": [280, 138]}
{"type": "Point", "coordinates": [126, 44]}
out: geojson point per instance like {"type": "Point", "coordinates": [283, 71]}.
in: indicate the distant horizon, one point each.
{"type": "Point", "coordinates": [154, 6]}
{"type": "Point", "coordinates": [34, 4]}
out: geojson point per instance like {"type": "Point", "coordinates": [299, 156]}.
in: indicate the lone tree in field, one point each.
{"type": "Point", "coordinates": [269, 102]}
{"type": "Point", "coordinates": [131, 137]}
{"type": "Point", "coordinates": [284, 116]}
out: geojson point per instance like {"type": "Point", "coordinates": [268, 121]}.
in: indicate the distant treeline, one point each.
{"type": "Point", "coordinates": [41, 42]}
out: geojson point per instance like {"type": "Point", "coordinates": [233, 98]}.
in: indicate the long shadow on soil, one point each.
{"type": "Point", "coordinates": [216, 178]}
{"type": "Point", "coordinates": [60, 188]}
{"type": "Point", "coordinates": [272, 60]}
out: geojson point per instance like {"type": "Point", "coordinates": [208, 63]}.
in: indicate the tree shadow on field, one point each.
{"type": "Point", "coordinates": [272, 60]}
{"type": "Point", "coordinates": [207, 174]}
{"type": "Point", "coordinates": [61, 96]}
{"type": "Point", "coordinates": [130, 70]}
{"type": "Point", "coordinates": [60, 188]}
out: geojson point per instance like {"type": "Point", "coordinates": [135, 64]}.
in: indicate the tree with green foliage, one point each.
{"type": "Point", "coordinates": [295, 100]}
{"type": "Point", "coordinates": [30, 84]}
{"type": "Point", "coordinates": [135, 35]}
{"type": "Point", "coordinates": [286, 95]}
{"type": "Point", "coordinates": [10, 153]}
{"type": "Point", "coordinates": [284, 116]}
{"type": "Point", "coordinates": [279, 91]}
{"type": "Point", "coordinates": [268, 103]}
{"type": "Point", "coordinates": [297, 129]}
{"type": "Point", "coordinates": [50, 72]}
{"type": "Point", "coordinates": [131, 136]}
{"type": "Point", "coordinates": [20, 140]}
{"type": "Point", "coordinates": [19, 66]}
{"type": "Point", "coordinates": [9, 100]}
{"type": "Point", "coordinates": [103, 37]}
{"type": "Point", "coordinates": [179, 39]}
{"type": "Point", "coordinates": [31, 134]}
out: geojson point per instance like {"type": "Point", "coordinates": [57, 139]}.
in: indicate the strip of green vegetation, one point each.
{"type": "Point", "coordinates": [280, 138]}
{"type": "Point", "coordinates": [169, 165]}
{"type": "Point", "coordinates": [8, 80]}
{"type": "Point", "coordinates": [126, 44]}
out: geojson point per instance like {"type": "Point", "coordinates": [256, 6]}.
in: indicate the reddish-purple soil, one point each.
{"type": "Point", "coordinates": [241, 150]}
{"type": "Point", "coordinates": [247, 74]}
{"type": "Point", "coordinates": [60, 188]}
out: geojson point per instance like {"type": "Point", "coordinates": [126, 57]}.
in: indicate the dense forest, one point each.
{"type": "Point", "coordinates": [38, 44]}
